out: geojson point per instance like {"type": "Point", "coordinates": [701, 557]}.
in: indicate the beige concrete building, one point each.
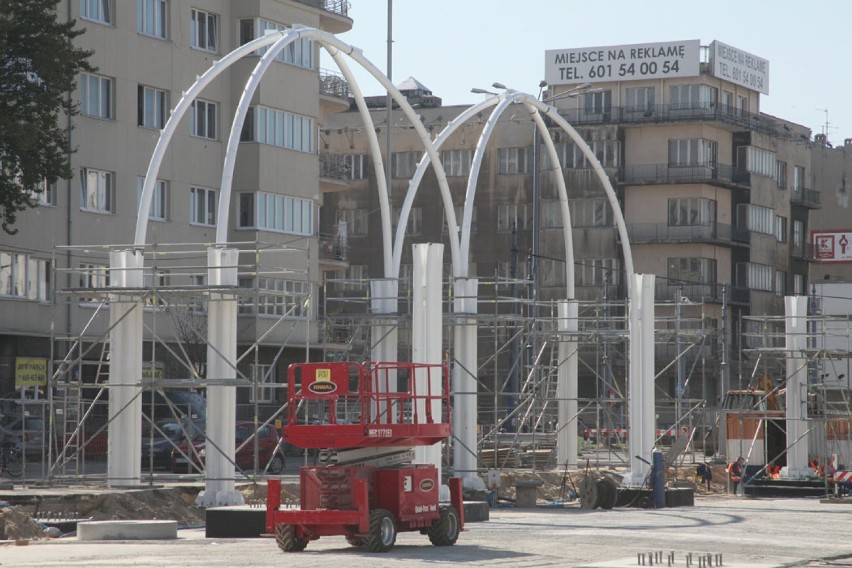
{"type": "Point", "coordinates": [147, 53]}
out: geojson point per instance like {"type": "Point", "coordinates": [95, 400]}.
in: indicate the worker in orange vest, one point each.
{"type": "Point", "coordinates": [735, 473]}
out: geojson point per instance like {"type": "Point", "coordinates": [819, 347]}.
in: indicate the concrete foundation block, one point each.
{"type": "Point", "coordinates": [127, 530]}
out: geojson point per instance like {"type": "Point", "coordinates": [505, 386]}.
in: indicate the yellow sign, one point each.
{"type": "Point", "coordinates": [323, 375]}
{"type": "Point", "coordinates": [149, 374]}
{"type": "Point", "coordinates": [30, 372]}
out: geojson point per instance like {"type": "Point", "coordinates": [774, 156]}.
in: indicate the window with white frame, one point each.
{"type": "Point", "coordinates": [97, 10]}
{"type": "Point", "coordinates": [685, 211]}
{"type": "Point", "coordinates": [202, 206]}
{"type": "Point", "coordinates": [25, 277]}
{"type": "Point", "coordinates": [459, 209]}
{"type": "Point", "coordinates": [691, 270]}
{"type": "Point", "coordinates": [606, 151]}
{"type": "Point", "coordinates": [44, 195]}
{"type": "Point", "coordinates": [278, 213]}
{"type": "Point", "coordinates": [96, 95]}
{"type": "Point", "coordinates": [151, 18]}
{"type": "Point", "coordinates": [96, 190]}
{"type": "Point", "coordinates": [755, 276]}
{"type": "Point", "coordinates": [516, 160]}
{"type": "Point", "coordinates": [596, 271]}
{"type": "Point", "coordinates": [279, 128]}
{"type": "Point", "coordinates": [692, 152]}
{"type": "Point", "coordinates": [781, 229]}
{"type": "Point", "coordinates": [798, 178]}
{"type": "Point", "coordinates": [404, 164]}
{"type": "Point", "coordinates": [757, 161]}
{"type": "Point", "coordinates": [781, 174]}
{"type": "Point", "coordinates": [504, 269]}
{"type": "Point", "coordinates": [152, 107]}
{"type": "Point", "coordinates": [278, 297]}
{"type": "Point", "coordinates": [756, 218]}
{"type": "Point", "coordinates": [798, 284]}
{"type": "Point", "coordinates": [591, 213]}
{"type": "Point", "coordinates": [356, 166]}
{"type": "Point", "coordinates": [599, 102]}
{"type": "Point", "coordinates": [92, 275]}
{"type": "Point", "coordinates": [640, 99]}
{"type": "Point", "coordinates": [513, 216]}
{"type": "Point", "coordinates": [456, 162]}
{"type": "Point", "coordinates": [300, 52]}
{"type": "Point", "coordinates": [692, 96]}
{"type": "Point", "coordinates": [415, 221]}
{"type": "Point", "coordinates": [355, 276]}
{"type": "Point", "coordinates": [263, 378]}
{"type": "Point", "coordinates": [159, 199]}
{"type": "Point", "coordinates": [204, 30]}
{"type": "Point", "coordinates": [780, 282]}
{"type": "Point", "coordinates": [551, 272]}
{"type": "Point", "coordinates": [202, 119]}
{"type": "Point", "coordinates": [798, 234]}
{"type": "Point", "coordinates": [356, 221]}
{"type": "Point", "coordinates": [551, 214]}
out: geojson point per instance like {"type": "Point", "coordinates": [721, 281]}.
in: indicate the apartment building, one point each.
{"type": "Point", "coordinates": [716, 196]}
{"type": "Point", "coordinates": [147, 53]}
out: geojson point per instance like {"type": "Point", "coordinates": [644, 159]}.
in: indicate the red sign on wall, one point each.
{"type": "Point", "coordinates": [832, 246]}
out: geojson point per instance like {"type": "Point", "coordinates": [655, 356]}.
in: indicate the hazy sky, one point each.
{"type": "Point", "coordinates": [453, 45]}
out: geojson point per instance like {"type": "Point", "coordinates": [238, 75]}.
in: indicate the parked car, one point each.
{"type": "Point", "coordinates": [27, 432]}
{"type": "Point", "coordinates": [270, 451]}
{"type": "Point", "coordinates": [168, 434]}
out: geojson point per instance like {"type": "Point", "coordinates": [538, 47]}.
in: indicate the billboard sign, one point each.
{"type": "Point", "coordinates": [832, 246]}
{"type": "Point", "coordinates": [621, 62]}
{"type": "Point", "coordinates": [30, 372]}
{"type": "Point", "coordinates": [740, 67]}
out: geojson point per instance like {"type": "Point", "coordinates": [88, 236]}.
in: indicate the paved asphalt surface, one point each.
{"type": "Point", "coordinates": [746, 532]}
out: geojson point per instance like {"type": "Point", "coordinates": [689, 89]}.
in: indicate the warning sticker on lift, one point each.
{"type": "Point", "coordinates": [322, 382]}
{"type": "Point", "coordinates": [427, 484]}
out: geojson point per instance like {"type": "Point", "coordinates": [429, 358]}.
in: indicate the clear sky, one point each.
{"type": "Point", "coordinates": [453, 45]}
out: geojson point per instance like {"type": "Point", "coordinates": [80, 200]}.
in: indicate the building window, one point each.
{"type": "Point", "coordinates": [504, 269]}
{"type": "Point", "coordinates": [404, 164]}
{"type": "Point", "coordinates": [755, 276]}
{"type": "Point", "coordinates": [691, 270]}
{"type": "Point", "coordinates": [456, 162]}
{"type": "Point", "coordinates": [596, 271]}
{"type": "Point", "coordinates": [693, 96]}
{"type": "Point", "coordinates": [264, 377]}
{"type": "Point", "coordinates": [280, 128]}
{"type": "Point", "coordinates": [551, 214]}
{"type": "Point", "coordinates": [355, 277]}
{"type": "Point", "coordinates": [279, 298]}
{"type": "Point", "coordinates": [92, 276]}
{"type": "Point", "coordinates": [151, 17]}
{"type": "Point", "coordinates": [693, 152]}
{"type": "Point", "coordinates": [781, 174]}
{"type": "Point", "coordinates": [25, 277]}
{"type": "Point", "coordinates": [591, 213]}
{"type": "Point", "coordinates": [460, 218]}
{"type": "Point", "coordinates": [756, 218]}
{"type": "Point", "coordinates": [551, 272]}
{"type": "Point", "coordinates": [798, 234]}
{"type": "Point", "coordinates": [202, 206]}
{"type": "Point", "coordinates": [96, 10]}
{"type": "Point", "coordinates": [757, 161]}
{"type": "Point", "coordinates": [278, 213]}
{"type": "Point", "coordinates": [356, 166]}
{"type": "Point", "coordinates": [798, 284]}
{"type": "Point", "coordinates": [572, 157]}
{"type": "Point", "coordinates": [204, 31]}
{"type": "Point", "coordinates": [780, 278]}
{"type": "Point", "coordinates": [515, 160]}
{"type": "Point", "coordinates": [96, 190]}
{"type": "Point", "coordinates": [798, 178]}
{"type": "Point", "coordinates": [300, 52]}
{"type": "Point", "coordinates": [742, 105]}
{"type": "Point", "coordinates": [640, 99]}
{"type": "Point", "coordinates": [353, 222]}
{"type": "Point", "coordinates": [415, 221]}
{"type": "Point", "coordinates": [513, 216]}
{"type": "Point", "coordinates": [96, 95]}
{"type": "Point", "coordinates": [781, 229]}
{"type": "Point", "coordinates": [44, 195]}
{"type": "Point", "coordinates": [599, 103]}
{"type": "Point", "coordinates": [728, 102]}
{"type": "Point", "coordinates": [159, 200]}
{"type": "Point", "coordinates": [685, 211]}
{"type": "Point", "coordinates": [152, 106]}
{"type": "Point", "coordinates": [202, 119]}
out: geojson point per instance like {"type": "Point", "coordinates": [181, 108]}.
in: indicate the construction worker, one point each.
{"type": "Point", "coordinates": [735, 473]}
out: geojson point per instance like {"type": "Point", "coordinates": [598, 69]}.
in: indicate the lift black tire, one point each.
{"type": "Point", "coordinates": [589, 497]}
{"type": "Point", "coordinates": [355, 540]}
{"type": "Point", "coordinates": [285, 536]}
{"type": "Point", "coordinates": [445, 530]}
{"type": "Point", "coordinates": [608, 493]}
{"type": "Point", "coordinates": [382, 535]}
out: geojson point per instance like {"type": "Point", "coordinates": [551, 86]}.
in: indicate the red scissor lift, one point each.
{"type": "Point", "coordinates": [367, 426]}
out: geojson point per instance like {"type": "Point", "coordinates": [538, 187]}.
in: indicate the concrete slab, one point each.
{"type": "Point", "coordinates": [127, 530]}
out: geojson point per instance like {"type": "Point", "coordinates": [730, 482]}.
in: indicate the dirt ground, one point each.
{"type": "Point", "coordinates": [19, 522]}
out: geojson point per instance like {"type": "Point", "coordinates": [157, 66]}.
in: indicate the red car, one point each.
{"type": "Point", "coordinates": [270, 451]}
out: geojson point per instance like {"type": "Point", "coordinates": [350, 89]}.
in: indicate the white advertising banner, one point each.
{"type": "Point", "coordinates": [740, 67]}
{"type": "Point", "coordinates": [622, 62]}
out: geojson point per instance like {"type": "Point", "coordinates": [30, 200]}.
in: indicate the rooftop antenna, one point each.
{"type": "Point", "coordinates": [827, 126]}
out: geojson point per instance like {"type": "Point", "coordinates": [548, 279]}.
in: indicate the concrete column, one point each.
{"type": "Point", "coordinates": [124, 455]}
{"type": "Point", "coordinates": [221, 366]}
{"type": "Point", "coordinates": [796, 327]}
{"type": "Point", "coordinates": [641, 377]}
{"type": "Point", "coordinates": [566, 387]}
{"type": "Point", "coordinates": [427, 334]}
{"type": "Point", "coordinates": [464, 383]}
{"type": "Point", "coordinates": [384, 334]}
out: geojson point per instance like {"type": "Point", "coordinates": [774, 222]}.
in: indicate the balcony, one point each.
{"type": "Point", "coordinates": [802, 251]}
{"type": "Point", "coordinates": [678, 112]}
{"type": "Point", "coordinates": [334, 92]}
{"type": "Point", "coordinates": [335, 172]}
{"type": "Point", "coordinates": [332, 250]}
{"type": "Point", "coordinates": [712, 233]}
{"type": "Point", "coordinates": [653, 174]}
{"type": "Point", "coordinates": [808, 198]}
{"type": "Point", "coordinates": [666, 291]}
{"type": "Point", "coordinates": [335, 14]}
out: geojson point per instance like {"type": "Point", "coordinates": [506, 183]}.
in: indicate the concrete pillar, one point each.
{"type": "Point", "coordinates": [221, 367]}
{"type": "Point", "coordinates": [796, 327]}
{"type": "Point", "coordinates": [464, 383]}
{"type": "Point", "coordinates": [124, 454]}
{"type": "Point", "coordinates": [566, 387]}
{"type": "Point", "coordinates": [427, 334]}
{"type": "Point", "coordinates": [641, 401]}
{"type": "Point", "coordinates": [384, 334]}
